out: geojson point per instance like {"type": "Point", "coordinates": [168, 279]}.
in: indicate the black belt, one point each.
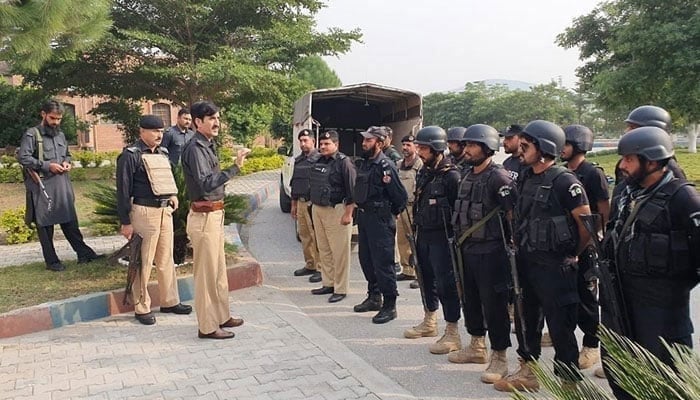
{"type": "Point", "coordinates": [375, 206]}
{"type": "Point", "coordinates": [157, 203]}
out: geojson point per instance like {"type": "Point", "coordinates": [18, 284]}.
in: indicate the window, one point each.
{"type": "Point", "coordinates": [163, 111]}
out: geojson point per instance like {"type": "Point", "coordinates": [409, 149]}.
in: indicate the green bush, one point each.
{"type": "Point", "coordinates": [11, 175]}
{"type": "Point", "coordinates": [84, 157]}
{"type": "Point", "coordinates": [12, 222]}
{"type": "Point", "coordinates": [260, 151]}
{"type": "Point", "coordinates": [262, 164]}
{"type": "Point", "coordinates": [225, 155]}
{"type": "Point", "coordinates": [8, 159]}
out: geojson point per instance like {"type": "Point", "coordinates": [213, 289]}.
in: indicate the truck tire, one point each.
{"type": "Point", "coordinates": [285, 201]}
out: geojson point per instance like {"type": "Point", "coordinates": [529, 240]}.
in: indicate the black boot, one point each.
{"type": "Point", "coordinates": [388, 311]}
{"type": "Point", "coordinates": [373, 302]}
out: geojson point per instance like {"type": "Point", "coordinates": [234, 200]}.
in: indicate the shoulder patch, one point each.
{"type": "Point", "coordinates": [164, 150]}
{"type": "Point", "coordinates": [575, 189]}
{"type": "Point", "coordinates": [695, 219]}
{"type": "Point", "coordinates": [132, 149]}
{"type": "Point", "coordinates": [504, 191]}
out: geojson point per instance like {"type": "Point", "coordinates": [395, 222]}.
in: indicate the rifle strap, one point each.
{"type": "Point", "coordinates": [39, 144]}
{"type": "Point", "coordinates": [477, 226]}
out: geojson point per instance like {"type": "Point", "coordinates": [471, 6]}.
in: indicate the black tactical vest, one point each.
{"type": "Point", "coordinates": [368, 182]}
{"type": "Point", "coordinates": [301, 179]}
{"type": "Point", "coordinates": [432, 209]}
{"type": "Point", "coordinates": [542, 224]}
{"type": "Point", "coordinates": [586, 173]}
{"type": "Point", "coordinates": [649, 247]}
{"type": "Point", "coordinates": [322, 192]}
{"type": "Point", "coordinates": [474, 202]}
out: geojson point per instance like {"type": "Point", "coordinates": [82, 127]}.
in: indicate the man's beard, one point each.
{"type": "Point", "coordinates": [51, 130]}
{"type": "Point", "coordinates": [636, 178]}
{"type": "Point", "coordinates": [474, 161]}
{"type": "Point", "coordinates": [367, 154]}
{"type": "Point", "coordinates": [457, 153]}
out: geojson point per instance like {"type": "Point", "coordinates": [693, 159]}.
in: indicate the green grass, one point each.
{"type": "Point", "coordinates": [690, 162]}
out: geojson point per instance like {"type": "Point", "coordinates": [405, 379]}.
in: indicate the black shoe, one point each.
{"type": "Point", "coordinates": [414, 285]}
{"type": "Point", "coordinates": [322, 290]}
{"type": "Point", "coordinates": [57, 267]}
{"type": "Point", "coordinates": [315, 277]}
{"type": "Point", "coordinates": [371, 303]}
{"type": "Point", "coordinates": [384, 315]}
{"type": "Point", "coordinates": [179, 308]}
{"type": "Point", "coordinates": [404, 277]}
{"type": "Point", "coordinates": [91, 258]}
{"type": "Point", "coordinates": [397, 268]}
{"type": "Point", "coordinates": [146, 319]}
{"type": "Point", "coordinates": [303, 271]}
{"type": "Point", "coordinates": [336, 297]}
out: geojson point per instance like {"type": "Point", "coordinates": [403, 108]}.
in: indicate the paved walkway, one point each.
{"type": "Point", "coordinates": [279, 353]}
{"type": "Point", "coordinates": [250, 185]}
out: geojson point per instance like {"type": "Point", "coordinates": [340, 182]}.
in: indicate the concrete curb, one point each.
{"type": "Point", "coordinates": [245, 273]}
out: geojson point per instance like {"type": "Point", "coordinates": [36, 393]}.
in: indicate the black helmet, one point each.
{"type": "Point", "coordinates": [548, 136]}
{"type": "Point", "coordinates": [650, 116]}
{"type": "Point", "coordinates": [455, 133]}
{"type": "Point", "coordinates": [481, 133]}
{"type": "Point", "coordinates": [432, 136]}
{"type": "Point", "coordinates": [580, 137]}
{"type": "Point", "coordinates": [651, 142]}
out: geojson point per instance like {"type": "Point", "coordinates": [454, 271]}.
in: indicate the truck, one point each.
{"type": "Point", "coordinates": [350, 110]}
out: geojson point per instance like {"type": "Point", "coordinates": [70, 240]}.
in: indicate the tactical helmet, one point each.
{"type": "Point", "coordinates": [650, 116]}
{"type": "Point", "coordinates": [580, 137]}
{"type": "Point", "coordinates": [432, 136]}
{"type": "Point", "coordinates": [481, 133]}
{"type": "Point", "coordinates": [651, 142]}
{"type": "Point", "coordinates": [548, 136]}
{"type": "Point", "coordinates": [455, 133]}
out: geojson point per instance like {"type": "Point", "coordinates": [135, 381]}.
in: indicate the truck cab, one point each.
{"type": "Point", "coordinates": [350, 110]}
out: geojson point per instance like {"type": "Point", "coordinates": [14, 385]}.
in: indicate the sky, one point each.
{"type": "Point", "coordinates": [439, 45]}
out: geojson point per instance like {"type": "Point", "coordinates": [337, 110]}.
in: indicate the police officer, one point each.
{"type": "Point", "coordinates": [301, 204]}
{"type": "Point", "coordinates": [379, 197]}
{"type": "Point", "coordinates": [436, 191]}
{"type": "Point", "coordinates": [549, 235]}
{"type": "Point", "coordinates": [511, 145]}
{"type": "Point", "coordinates": [408, 169]}
{"type": "Point", "coordinates": [579, 140]}
{"type": "Point", "coordinates": [485, 194]}
{"type": "Point", "coordinates": [656, 240]}
{"type": "Point", "coordinates": [205, 222]}
{"type": "Point", "coordinates": [389, 149]}
{"type": "Point", "coordinates": [146, 200]}
{"type": "Point", "coordinates": [175, 137]}
{"type": "Point", "coordinates": [332, 186]}
{"type": "Point", "coordinates": [456, 145]}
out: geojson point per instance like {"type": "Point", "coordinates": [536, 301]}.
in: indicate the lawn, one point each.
{"type": "Point", "coordinates": [690, 162]}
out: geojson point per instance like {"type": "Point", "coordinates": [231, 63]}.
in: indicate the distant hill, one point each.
{"type": "Point", "coordinates": [510, 84]}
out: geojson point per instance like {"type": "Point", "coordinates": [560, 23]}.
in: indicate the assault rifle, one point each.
{"type": "Point", "coordinates": [413, 260]}
{"type": "Point", "coordinates": [132, 250]}
{"type": "Point", "coordinates": [610, 282]}
{"type": "Point", "coordinates": [517, 289]}
{"type": "Point", "coordinates": [37, 179]}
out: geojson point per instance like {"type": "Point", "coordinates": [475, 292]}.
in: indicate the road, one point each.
{"type": "Point", "coordinates": [270, 238]}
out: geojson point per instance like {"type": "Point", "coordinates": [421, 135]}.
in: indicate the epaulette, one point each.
{"type": "Point", "coordinates": [340, 156]}
{"type": "Point", "coordinates": [164, 150]}
{"type": "Point", "coordinates": [133, 149]}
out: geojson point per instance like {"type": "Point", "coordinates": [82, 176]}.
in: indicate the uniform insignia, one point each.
{"type": "Point", "coordinates": [386, 179]}
{"type": "Point", "coordinates": [695, 219]}
{"type": "Point", "coordinates": [504, 191]}
{"type": "Point", "coordinates": [575, 189]}
{"type": "Point", "coordinates": [513, 175]}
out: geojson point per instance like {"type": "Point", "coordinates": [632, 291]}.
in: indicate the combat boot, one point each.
{"type": "Point", "coordinates": [497, 369]}
{"type": "Point", "coordinates": [373, 302]}
{"type": "Point", "coordinates": [475, 353]}
{"type": "Point", "coordinates": [588, 357]}
{"type": "Point", "coordinates": [450, 341]}
{"type": "Point", "coordinates": [523, 379]}
{"type": "Point", "coordinates": [387, 312]}
{"type": "Point", "coordinates": [427, 328]}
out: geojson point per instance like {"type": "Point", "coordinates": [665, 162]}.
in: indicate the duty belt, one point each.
{"type": "Point", "coordinates": [157, 203]}
{"type": "Point", "coordinates": [374, 206]}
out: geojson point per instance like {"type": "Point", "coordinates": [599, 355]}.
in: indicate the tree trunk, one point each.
{"type": "Point", "coordinates": [693, 131]}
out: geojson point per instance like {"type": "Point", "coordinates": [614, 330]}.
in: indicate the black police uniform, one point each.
{"type": "Point", "coordinates": [392, 154]}
{"type": "Point", "coordinates": [460, 163]}
{"type": "Point", "coordinates": [596, 186]}
{"type": "Point", "coordinates": [485, 264]}
{"type": "Point", "coordinates": [379, 196]}
{"type": "Point", "coordinates": [514, 167]}
{"type": "Point", "coordinates": [657, 257]}
{"type": "Point", "coordinates": [547, 237]}
{"type": "Point", "coordinates": [301, 177]}
{"type": "Point", "coordinates": [436, 192]}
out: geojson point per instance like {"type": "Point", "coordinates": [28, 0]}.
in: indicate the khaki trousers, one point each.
{"type": "Point", "coordinates": [306, 234]}
{"type": "Point", "coordinates": [155, 225]}
{"type": "Point", "coordinates": [402, 242]}
{"type": "Point", "coordinates": [206, 232]}
{"type": "Point", "coordinates": [333, 240]}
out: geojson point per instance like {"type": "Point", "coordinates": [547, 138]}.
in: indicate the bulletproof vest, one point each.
{"type": "Point", "coordinates": [474, 202]}
{"type": "Point", "coordinates": [368, 185]}
{"type": "Point", "coordinates": [301, 178]}
{"type": "Point", "coordinates": [322, 193]}
{"type": "Point", "coordinates": [160, 173]}
{"type": "Point", "coordinates": [407, 176]}
{"type": "Point", "coordinates": [586, 173]}
{"type": "Point", "coordinates": [542, 223]}
{"type": "Point", "coordinates": [649, 247]}
{"type": "Point", "coordinates": [432, 208]}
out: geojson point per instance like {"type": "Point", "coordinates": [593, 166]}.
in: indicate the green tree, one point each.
{"type": "Point", "coordinates": [641, 52]}
{"type": "Point", "coordinates": [33, 31]}
{"type": "Point", "coordinates": [316, 72]}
